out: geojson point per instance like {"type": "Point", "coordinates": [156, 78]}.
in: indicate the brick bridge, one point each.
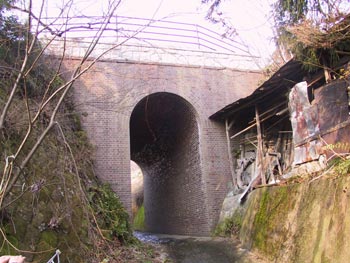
{"type": "Point", "coordinates": [157, 114]}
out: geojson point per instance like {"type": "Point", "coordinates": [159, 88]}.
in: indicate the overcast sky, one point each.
{"type": "Point", "coordinates": [250, 17]}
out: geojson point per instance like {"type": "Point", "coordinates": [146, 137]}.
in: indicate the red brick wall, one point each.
{"type": "Point", "coordinates": [107, 95]}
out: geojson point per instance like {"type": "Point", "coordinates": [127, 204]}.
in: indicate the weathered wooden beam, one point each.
{"type": "Point", "coordinates": [260, 150]}
{"type": "Point", "coordinates": [229, 150]}
{"type": "Point", "coordinates": [251, 126]}
{"type": "Point", "coordinates": [269, 110]}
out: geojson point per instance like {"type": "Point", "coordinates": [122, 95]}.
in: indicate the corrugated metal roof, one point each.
{"type": "Point", "coordinates": [276, 86]}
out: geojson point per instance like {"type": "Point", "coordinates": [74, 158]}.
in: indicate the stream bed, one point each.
{"type": "Point", "coordinates": [185, 249]}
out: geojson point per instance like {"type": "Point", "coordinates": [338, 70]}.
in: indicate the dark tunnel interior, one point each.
{"type": "Point", "coordinates": [164, 138]}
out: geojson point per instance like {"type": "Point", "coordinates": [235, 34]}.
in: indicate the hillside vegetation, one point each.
{"type": "Point", "coordinates": [54, 201]}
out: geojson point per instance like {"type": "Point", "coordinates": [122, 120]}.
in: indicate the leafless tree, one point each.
{"type": "Point", "coordinates": [36, 26]}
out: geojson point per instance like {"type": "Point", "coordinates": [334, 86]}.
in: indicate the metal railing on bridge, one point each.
{"type": "Point", "coordinates": [151, 40]}
{"type": "Point", "coordinates": [147, 31]}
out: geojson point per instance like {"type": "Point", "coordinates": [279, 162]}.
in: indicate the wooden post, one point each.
{"type": "Point", "coordinates": [260, 149]}
{"type": "Point", "coordinates": [229, 150]}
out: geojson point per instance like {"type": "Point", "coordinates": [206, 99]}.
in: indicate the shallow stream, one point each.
{"type": "Point", "coordinates": [184, 249]}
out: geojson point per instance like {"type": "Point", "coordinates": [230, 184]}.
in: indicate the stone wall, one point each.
{"type": "Point", "coordinates": [307, 222]}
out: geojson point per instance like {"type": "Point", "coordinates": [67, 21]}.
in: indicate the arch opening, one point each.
{"type": "Point", "coordinates": [137, 206]}
{"type": "Point", "coordinates": [164, 142]}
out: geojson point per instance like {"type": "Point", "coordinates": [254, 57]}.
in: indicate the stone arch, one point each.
{"type": "Point", "coordinates": [164, 142]}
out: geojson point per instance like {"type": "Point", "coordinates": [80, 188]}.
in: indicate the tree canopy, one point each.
{"type": "Point", "coordinates": [292, 12]}
{"type": "Point", "coordinates": [315, 31]}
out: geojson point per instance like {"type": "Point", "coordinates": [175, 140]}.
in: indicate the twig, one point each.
{"type": "Point", "coordinates": [79, 183]}
{"type": "Point", "coordinates": [330, 148]}
{"type": "Point", "coordinates": [65, 88]}
{"type": "Point", "coordinates": [322, 174]}
{"type": "Point", "coordinates": [20, 250]}
{"type": "Point", "coordinates": [147, 121]}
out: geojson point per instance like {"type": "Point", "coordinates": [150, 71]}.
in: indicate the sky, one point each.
{"type": "Point", "coordinates": [251, 18]}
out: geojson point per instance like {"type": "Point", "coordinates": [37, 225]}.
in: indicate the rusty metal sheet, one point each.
{"type": "Point", "coordinates": [331, 101]}
{"type": "Point", "coordinates": [304, 119]}
{"type": "Point", "coordinates": [303, 116]}
{"type": "Point", "coordinates": [307, 152]}
{"type": "Point", "coordinates": [337, 140]}
{"type": "Point", "coordinates": [320, 127]}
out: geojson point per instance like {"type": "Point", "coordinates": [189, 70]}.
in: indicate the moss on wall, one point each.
{"type": "Point", "coordinates": [139, 220]}
{"type": "Point", "coordinates": [306, 222]}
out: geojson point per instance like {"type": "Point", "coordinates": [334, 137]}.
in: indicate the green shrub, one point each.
{"type": "Point", "coordinates": [231, 225]}
{"type": "Point", "coordinates": [343, 167]}
{"type": "Point", "coordinates": [112, 218]}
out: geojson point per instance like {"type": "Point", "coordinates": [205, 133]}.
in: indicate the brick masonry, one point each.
{"type": "Point", "coordinates": [187, 175]}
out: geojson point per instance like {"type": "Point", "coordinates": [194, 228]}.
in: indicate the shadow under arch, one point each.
{"type": "Point", "coordinates": [164, 142]}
